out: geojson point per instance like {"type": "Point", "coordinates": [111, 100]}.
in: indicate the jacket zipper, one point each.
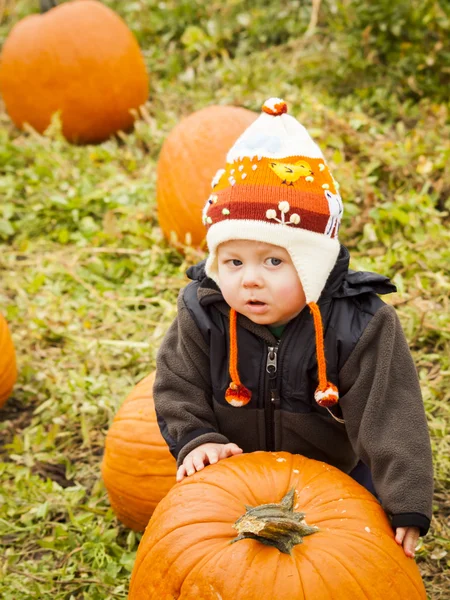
{"type": "Point", "coordinates": [274, 397]}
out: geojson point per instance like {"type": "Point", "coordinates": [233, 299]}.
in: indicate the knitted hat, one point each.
{"type": "Point", "coordinates": [276, 188]}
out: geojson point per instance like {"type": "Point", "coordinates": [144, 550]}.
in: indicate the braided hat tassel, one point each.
{"type": "Point", "coordinates": [326, 394]}
{"type": "Point", "coordinates": [237, 394]}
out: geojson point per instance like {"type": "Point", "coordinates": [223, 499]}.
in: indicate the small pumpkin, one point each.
{"type": "Point", "coordinates": [138, 469]}
{"type": "Point", "coordinates": [190, 157]}
{"type": "Point", "coordinates": [233, 531]}
{"type": "Point", "coordinates": [8, 369]}
{"type": "Point", "coordinates": [79, 58]}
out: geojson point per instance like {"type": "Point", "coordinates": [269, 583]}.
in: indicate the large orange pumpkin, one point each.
{"type": "Point", "coordinates": [138, 469]}
{"type": "Point", "coordinates": [79, 58]}
{"type": "Point", "coordinates": [344, 549]}
{"type": "Point", "coordinates": [8, 370]}
{"type": "Point", "coordinates": [190, 157]}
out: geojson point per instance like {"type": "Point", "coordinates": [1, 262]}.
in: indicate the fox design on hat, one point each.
{"type": "Point", "coordinates": [276, 188]}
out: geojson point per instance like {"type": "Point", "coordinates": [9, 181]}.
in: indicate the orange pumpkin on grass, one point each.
{"type": "Point", "coordinates": [138, 469]}
{"type": "Point", "coordinates": [190, 157]}
{"type": "Point", "coordinates": [79, 58]}
{"type": "Point", "coordinates": [8, 369]}
{"type": "Point", "coordinates": [328, 539]}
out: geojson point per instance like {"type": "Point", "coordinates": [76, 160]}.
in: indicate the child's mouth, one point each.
{"type": "Point", "coordinates": [256, 306]}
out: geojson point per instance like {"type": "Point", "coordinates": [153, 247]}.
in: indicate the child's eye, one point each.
{"type": "Point", "coordinates": [235, 262]}
{"type": "Point", "coordinates": [273, 262]}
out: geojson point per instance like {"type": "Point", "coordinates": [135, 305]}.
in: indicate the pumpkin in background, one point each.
{"type": "Point", "coordinates": [8, 370]}
{"type": "Point", "coordinates": [190, 157]}
{"type": "Point", "coordinates": [344, 548]}
{"type": "Point", "coordinates": [79, 58]}
{"type": "Point", "coordinates": [138, 469]}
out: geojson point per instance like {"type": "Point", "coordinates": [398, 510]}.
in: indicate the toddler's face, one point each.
{"type": "Point", "coordinates": [259, 281]}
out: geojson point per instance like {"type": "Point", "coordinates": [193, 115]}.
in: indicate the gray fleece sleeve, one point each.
{"type": "Point", "coordinates": [385, 417]}
{"type": "Point", "coordinates": [182, 390]}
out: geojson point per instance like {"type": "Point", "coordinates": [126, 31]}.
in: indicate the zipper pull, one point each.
{"type": "Point", "coordinates": [271, 364]}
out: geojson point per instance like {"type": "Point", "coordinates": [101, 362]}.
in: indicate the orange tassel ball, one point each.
{"type": "Point", "coordinates": [190, 157]}
{"type": "Point", "coordinates": [271, 526]}
{"type": "Point", "coordinates": [138, 469]}
{"type": "Point", "coordinates": [8, 369]}
{"type": "Point", "coordinates": [79, 58]}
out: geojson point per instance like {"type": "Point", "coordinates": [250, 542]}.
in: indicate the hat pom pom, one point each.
{"type": "Point", "coordinates": [274, 107]}
{"type": "Point", "coordinates": [238, 395]}
{"type": "Point", "coordinates": [327, 397]}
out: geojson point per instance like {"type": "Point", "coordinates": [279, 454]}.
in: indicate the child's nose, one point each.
{"type": "Point", "coordinates": [251, 278]}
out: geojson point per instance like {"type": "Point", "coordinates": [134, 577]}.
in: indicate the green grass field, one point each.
{"type": "Point", "coordinates": [88, 284]}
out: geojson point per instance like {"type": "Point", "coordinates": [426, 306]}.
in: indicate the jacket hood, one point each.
{"type": "Point", "coordinates": [341, 283]}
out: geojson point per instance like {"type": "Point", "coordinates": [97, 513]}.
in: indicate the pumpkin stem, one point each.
{"type": "Point", "coordinates": [46, 5]}
{"type": "Point", "coordinates": [274, 524]}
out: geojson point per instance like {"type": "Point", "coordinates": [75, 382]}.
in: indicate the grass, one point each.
{"type": "Point", "coordinates": [88, 284]}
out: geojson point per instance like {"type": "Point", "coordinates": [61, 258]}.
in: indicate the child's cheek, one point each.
{"type": "Point", "coordinates": [285, 290]}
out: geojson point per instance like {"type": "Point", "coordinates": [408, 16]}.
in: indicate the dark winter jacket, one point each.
{"type": "Point", "coordinates": [367, 358]}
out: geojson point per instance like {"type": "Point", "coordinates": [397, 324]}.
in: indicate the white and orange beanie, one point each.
{"type": "Point", "coordinates": [276, 188]}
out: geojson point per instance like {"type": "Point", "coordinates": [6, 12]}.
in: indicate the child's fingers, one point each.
{"type": "Point", "coordinates": [198, 461]}
{"type": "Point", "coordinates": [400, 533]}
{"type": "Point", "coordinates": [410, 541]}
{"type": "Point", "coordinates": [230, 450]}
{"type": "Point", "coordinates": [408, 537]}
{"type": "Point", "coordinates": [181, 473]}
{"type": "Point", "coordinates": [189, 465]}
{"type": "Point", "coordinates": [213, 456]}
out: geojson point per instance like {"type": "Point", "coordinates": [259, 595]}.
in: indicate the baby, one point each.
{"type": "Point", "coordinates": [279, 346]}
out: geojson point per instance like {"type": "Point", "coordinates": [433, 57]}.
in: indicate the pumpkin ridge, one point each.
{"type": "Point", "coordinates": [332, 517]}
{"type": "Point", "coordinates": [384, 551]}
{"type": "Point", "coordinates": [308, 558]}
{"type": "Point", "coordinates": [7, 375]}
{"type": "Point", "coordinates": [254, 557]}
{"type": "Point", "coordinates": [121, 494]}
{"type": "Point", "coordinates": [195, 525]}
{"type": "Point", "coordinates": [329, 554]}
{"type": "Point", "coordinates": [234, 468]}
{"type": "Point", "coordinates": [214, 484]}
{"type": "Point", "coordinates": [112, 487]}
{"type": "Point", "coordinates": [299, 577]}
{"type": "Point", "coordinates": [163, 573]}
{"type": "Point", "coordinates": [318, 475]}
{"type": "Point", "coordinates": [237, 595]}
{"type": "Point", "coordinates": [370, 545]}
{"type": "Point", "coordinates": [134, 476]}
{"type": "Point", "coordinates": [214, 554]}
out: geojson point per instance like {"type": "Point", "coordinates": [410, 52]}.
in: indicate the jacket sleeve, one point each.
{"type": "Point", "coordinates": [182, 389]}
{"type": "Point", "coordinates": [385, 418]}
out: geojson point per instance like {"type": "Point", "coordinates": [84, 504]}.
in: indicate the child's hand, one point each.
{"type": "Point", "coordinates": [407, 536]}
{"type": "Point", "coordinates": [204, 455]}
